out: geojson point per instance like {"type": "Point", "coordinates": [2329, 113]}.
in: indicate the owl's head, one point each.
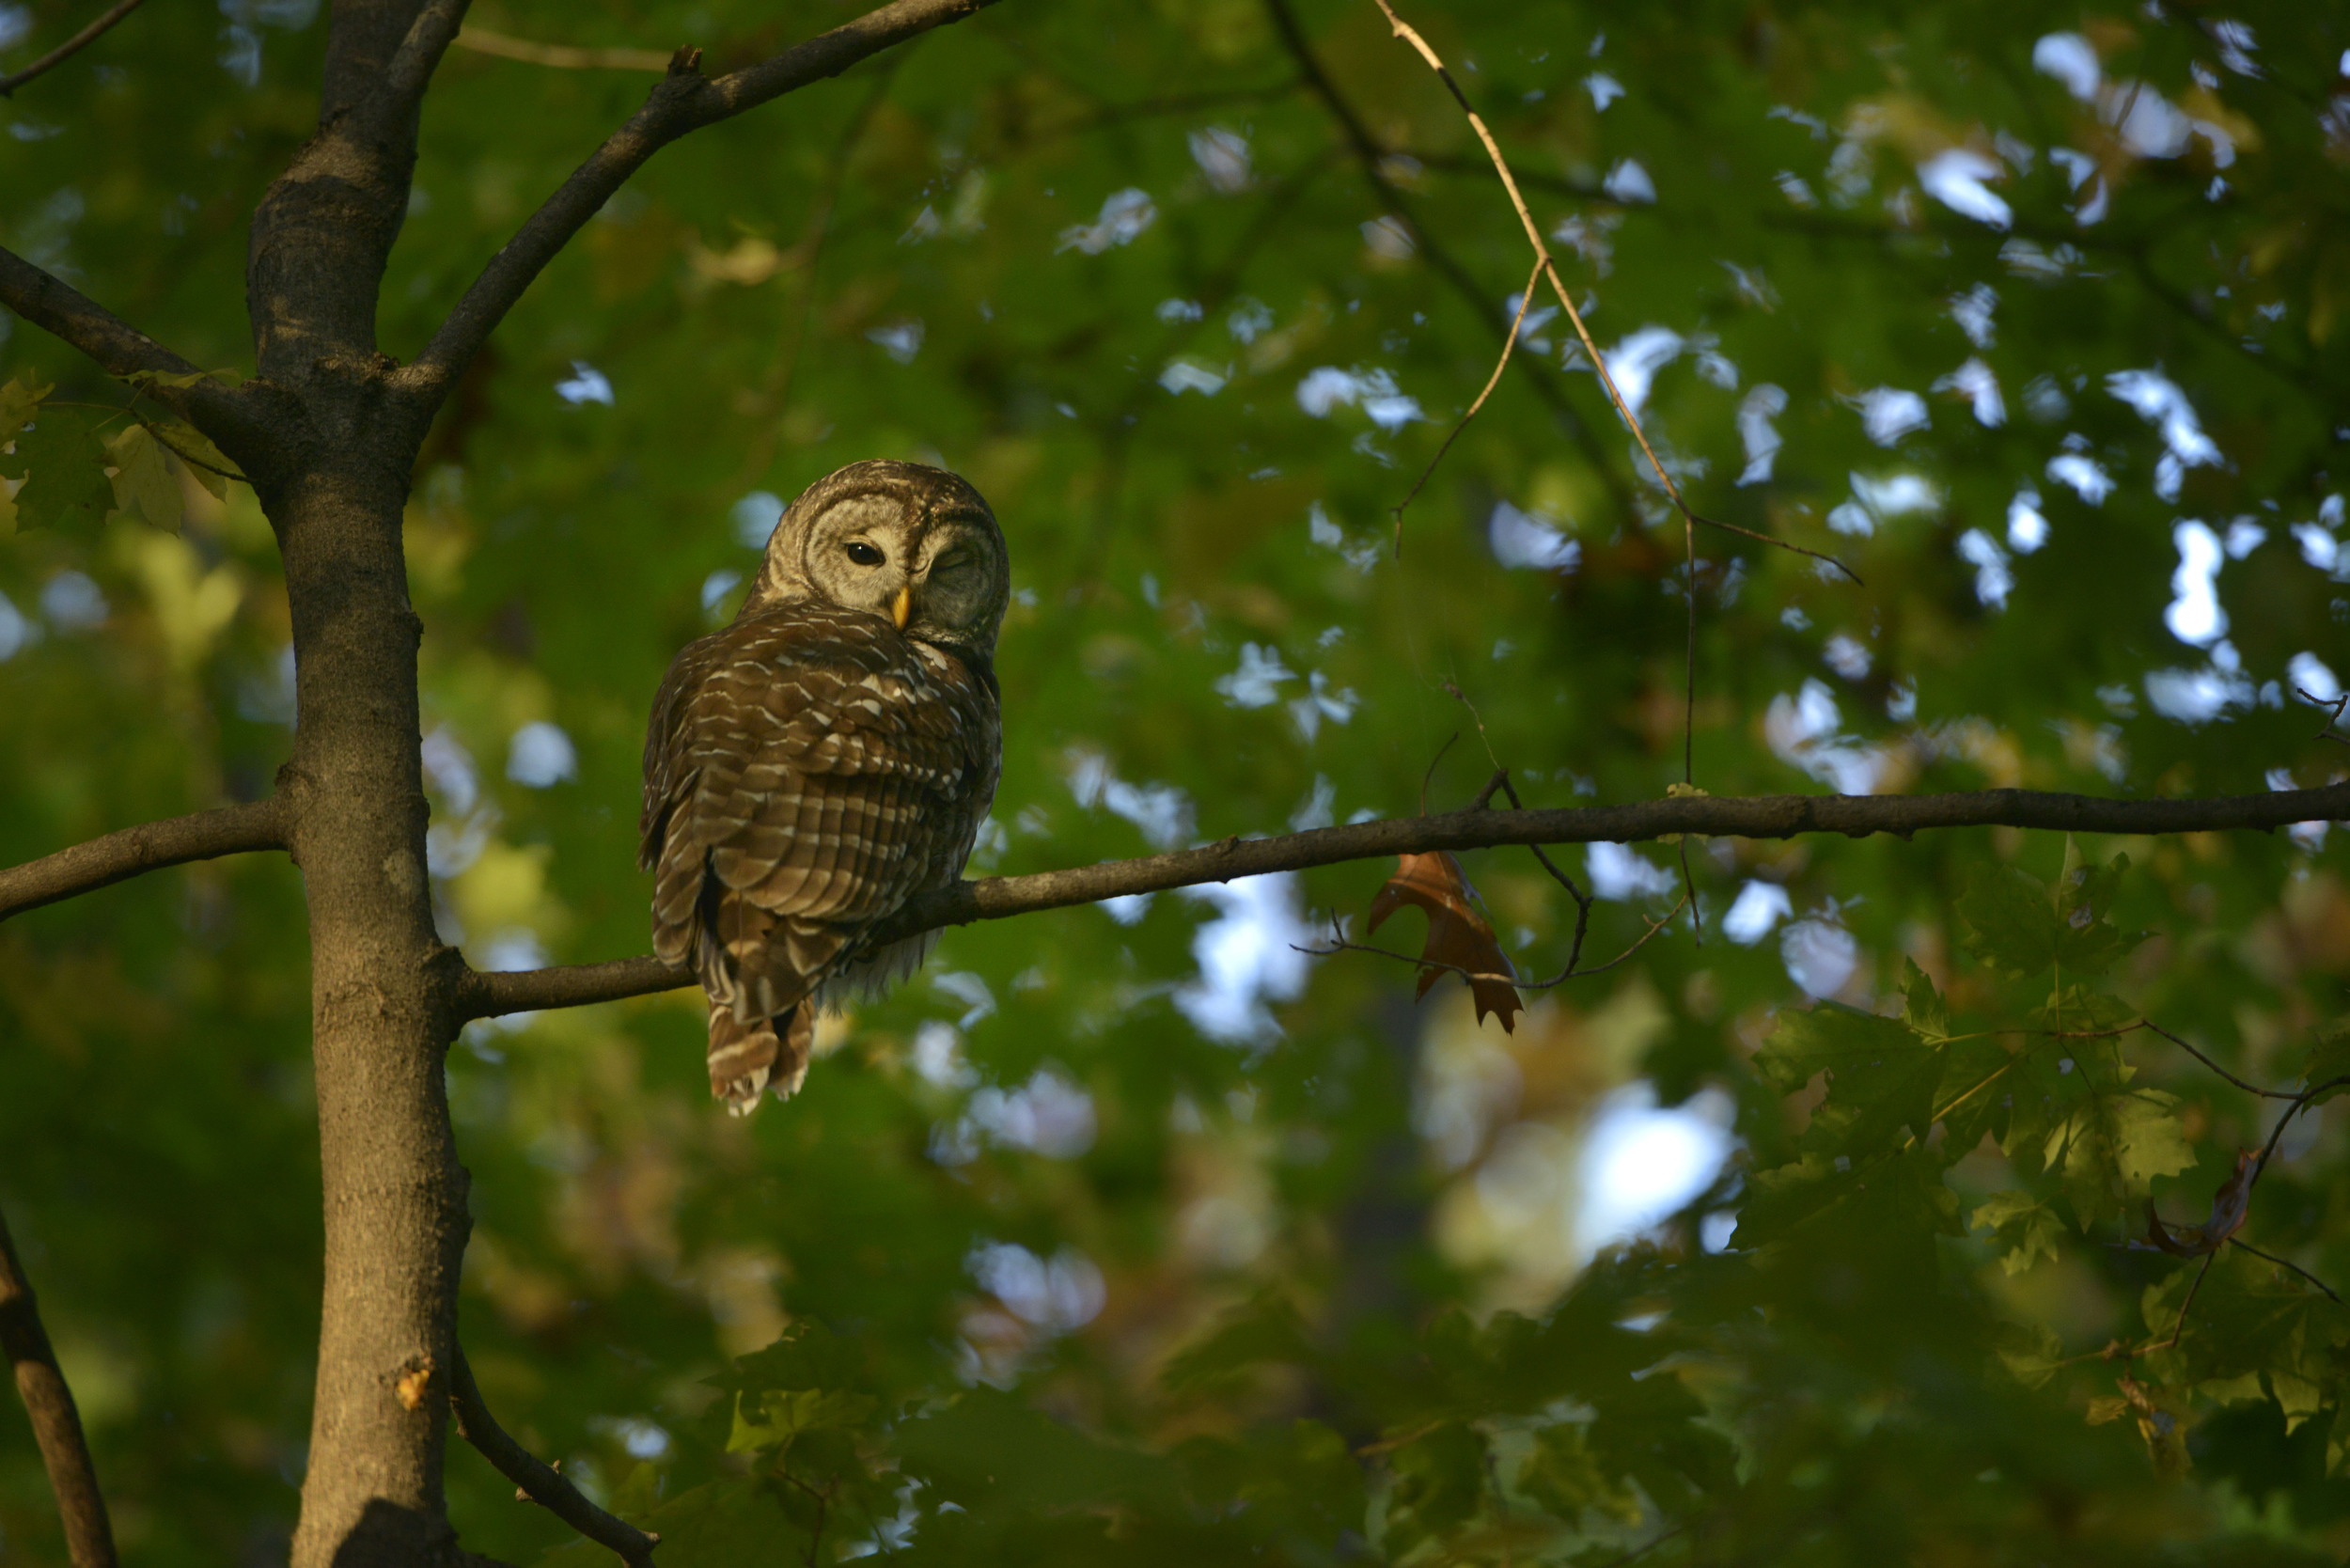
{"type": "Point", "coordinates": [914, 544]}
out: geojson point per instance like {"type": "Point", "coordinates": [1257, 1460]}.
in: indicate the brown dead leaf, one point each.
{"type": "Point", "coordinates": [1458, 934]}
{"type": "Point", "coordinates": [2229, 1206]}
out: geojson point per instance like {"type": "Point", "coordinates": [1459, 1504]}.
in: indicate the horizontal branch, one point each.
{"type": "Point", "coordinates": [56, 1423]}
{"type": "Point", "coordinates": [119, 856]}
{"type": "Point", "coordinates": [683, 100]}
{"type": "Point", "coordinates": [536, 1479]}
{"type": "Point", "coordinates": [1755, 817]}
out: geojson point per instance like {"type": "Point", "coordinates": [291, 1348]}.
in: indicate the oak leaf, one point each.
{"type": "Point", "coordinates": [1458, 934]}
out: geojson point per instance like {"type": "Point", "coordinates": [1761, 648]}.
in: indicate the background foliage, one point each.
{"type": "Point", "coordinates": [1132, 1235]}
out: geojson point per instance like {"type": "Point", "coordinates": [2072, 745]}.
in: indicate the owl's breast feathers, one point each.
{"type": "Point", "coordinates": [807, 770]}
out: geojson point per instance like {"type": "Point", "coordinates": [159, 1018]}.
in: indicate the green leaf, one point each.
{"type": "Point", "coordinates": [1439, 1480]}
{"type": "Point", "coordinates": [774, 1417]}
{"type": "Point", "coordinates": [19, 398]}
{"type": "Point", "coordinates": [2017, 927]}
{"type": "Point", "coordinates": [142, 484]}
{"type": "Point", "coordinates": [208, 462]}
{"type": "Point", "coordinates": [2082, 1009]}
{"type": "Point", "coordinates": [2087, 941]}
{"type": "Point", "coordinates": [723, 1524]}
{"type": "Point", "coordinates": [1564, 1477]}
{"type": "Point", "coordinates": [2022, 1225]}
{"type": "Point", "coordinates": [2111, 1145]}
{"type": "Point", "coordinates": [2251, 1316]}
{"type": "Point", "coordinates": [1267, 1329]}
{"type": "Point", "coordinates": [63, 467]}
{"type": "Point", "coordinates": [2012, 925]}
{"type": "Point", "coordinates": [989, 1451]}
{"type": "Point", "coordinates": [2031, 1352]}
{"type": "Point", "coordinates": [1880, 1076]}
{"type": "Point", "coordinates": [1651, 1431]}
{"type": "Point", "coordinates": [2328, 1059]}
{"type": "Point", "coordinates": [1922, 1006]}
{"type": "Point", "coordinates": [1978, 1081]}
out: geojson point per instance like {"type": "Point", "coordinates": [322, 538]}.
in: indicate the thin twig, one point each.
{"type": "Point", "coordinates": [562, 56]}
{"type": "Point", "coordinates": [1432, 769]}
{"type": "Point", "coordinates": [2150, 1027]}
{"type": "Point", "coordinates": [539, 1482]}
{"type": "Point", "coordinates": [56, 1425]}
{"type": "Point", "coordinates": [1535, 237]}
{"type": "Point", "coordinates": [71, 47]}
{"type": "Point", "coordinates": [1583, 900]}
{"type": "Point", "coordinates": [2179, 1327]}
{"type": "Point", "coordinates": [2284, 1263]}
{"type": "Point", "coordinates": [2333, 714]}
{"type": "Point", "coordinates": [1509, 344]}
{"type": "Point", "coordinates": [2249, 1088]}
{"type": "Point", "coordinates": [1372, 158]}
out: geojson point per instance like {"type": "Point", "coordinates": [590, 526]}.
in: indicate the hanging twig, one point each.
{"type": "Point", "coordinates": [536, 1479]}
{"type": "Point", "coordinates": [1549, 269]}
{"type": "Point", "coordinates": [1432, 770]}
{"type": "Point", "coordinates": [71, 47]}
{"type": "Point", "coordinates": [56, 1425]}
{"type": "Point", "coordinates": [1509, 344]}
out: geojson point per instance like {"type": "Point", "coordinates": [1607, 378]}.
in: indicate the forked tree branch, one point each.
{"type": "Point", "coordinates": [538, 1481]}
{"type": "Point", "coordinates": [1756, 817]}
{"type": "Point", "coordinates": [67, 50]}
{"type": "Point", "coordinates": [56, 1425]}
{"type": "Point", "coordinates": [683, 101]}
{"type": "Point", "coordinates": [119, 856]}
{"type": "Point", "coordinates": [222, 413]}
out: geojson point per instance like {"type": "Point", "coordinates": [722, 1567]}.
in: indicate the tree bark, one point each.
{"type": "Point", "coordinates": [395, 1194]}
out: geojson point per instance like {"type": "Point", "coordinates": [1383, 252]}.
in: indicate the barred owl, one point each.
{"type": "Point", "coordinates": [823, 758]}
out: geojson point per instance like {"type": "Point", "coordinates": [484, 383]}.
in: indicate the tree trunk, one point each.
{"type": "Point", "coordinates": [394, 1203]}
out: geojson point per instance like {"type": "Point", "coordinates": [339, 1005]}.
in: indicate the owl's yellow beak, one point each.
{"type": "Point", "coordinates": [901, 607]}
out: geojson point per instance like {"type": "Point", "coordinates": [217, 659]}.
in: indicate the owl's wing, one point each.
{"type": "Point", "coordinates": [803, 768]}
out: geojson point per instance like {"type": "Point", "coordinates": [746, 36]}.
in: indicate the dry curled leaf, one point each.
{"type": "Point", "coordinates": [2229, 1206]}
{"type": "Point", "coordinates": [1457, 933]}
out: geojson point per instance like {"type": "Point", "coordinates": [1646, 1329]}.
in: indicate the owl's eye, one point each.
{"type": "Point", "coordinates": [864, 554]}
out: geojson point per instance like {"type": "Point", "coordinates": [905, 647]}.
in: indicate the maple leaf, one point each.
{"type": "Point", "coordinates": [2229, 1206]}
{"type": "Point", "coordinates": [1457, 933]}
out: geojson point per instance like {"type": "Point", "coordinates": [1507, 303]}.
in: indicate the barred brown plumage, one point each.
{"type": "Point", "coordinates": [824, 758]}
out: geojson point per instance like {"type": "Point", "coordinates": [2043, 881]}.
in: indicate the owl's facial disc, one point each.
{"type": "Point", "coordinates": [859, 553]}
{"type": "Point", "coordinates": [959, 586]}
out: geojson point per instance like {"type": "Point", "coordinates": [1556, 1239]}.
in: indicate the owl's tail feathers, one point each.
{"type": "Point", "coordinates": [767, 1055]}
